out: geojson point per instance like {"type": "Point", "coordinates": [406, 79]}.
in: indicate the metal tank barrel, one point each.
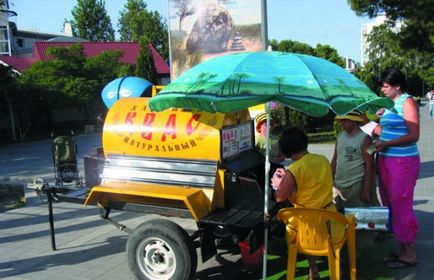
{"type": "Point", "coordinates": [132, 129]}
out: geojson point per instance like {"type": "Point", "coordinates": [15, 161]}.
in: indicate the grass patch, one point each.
{"type": "Point", "coordinates": [11, 197]}
{"type": "Point", "coordinates": [279, 273]}
{"type": "Point", "coordinates": [370, 264]}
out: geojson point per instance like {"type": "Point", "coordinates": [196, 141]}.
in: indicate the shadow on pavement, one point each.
{"type": "Point", "coordinates": [42, 218]}
{"type": "Point", "coordinates": [59, 220]}
{"type": "Point", "coordinates": [57, 230]}
{"type": "Point", "coordinates": [420, 201]}
{"type": "Point", "coordinates": [61, 258]}
{"type": "Point", "coordinates": [426, 169]}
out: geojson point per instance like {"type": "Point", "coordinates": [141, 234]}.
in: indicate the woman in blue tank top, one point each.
{"type": "Point", "coordinates": [399, 164]}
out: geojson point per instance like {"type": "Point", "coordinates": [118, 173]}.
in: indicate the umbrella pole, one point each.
{"type": "Point", "coordinates": [266, 192]}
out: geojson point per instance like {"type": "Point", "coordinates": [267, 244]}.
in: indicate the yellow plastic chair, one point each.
{"type": "Point", "coordinates": [319, 232]}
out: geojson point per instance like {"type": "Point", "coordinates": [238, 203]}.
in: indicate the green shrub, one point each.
{"type": "Point", "coordinates": [321, 137]}
{"type": "Point", "coordinates": [278, 115]}
{"type": "Point", "coordinates": [298, 119]}
{"type": "Point", "coordinates": [286, 117]}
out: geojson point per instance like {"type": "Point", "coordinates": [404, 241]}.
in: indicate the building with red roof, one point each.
{"type": "Point", "coordinates": [19, 49]}
{"type": "Point", "coordinates": [130, 52]}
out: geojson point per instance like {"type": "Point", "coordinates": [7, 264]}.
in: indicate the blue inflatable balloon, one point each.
{"type": "Point", "coordinates": [125, 87]}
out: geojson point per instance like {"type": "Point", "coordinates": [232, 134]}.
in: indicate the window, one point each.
{"type": "Point", "coordinates": [3, 33]}
{"type": "Point", "coordinates": [4, 48]}
{"type": "Point", "coordinates": [4, 40]}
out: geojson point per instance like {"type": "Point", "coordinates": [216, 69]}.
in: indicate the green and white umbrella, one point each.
{"type": "Point", "coordinates": [237, 81]}
{"type": "Point", "coordinates": [304, 83]}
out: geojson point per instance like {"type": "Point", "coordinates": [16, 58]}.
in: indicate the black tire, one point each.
{"type": "Point", "coordinates": [160, 249]}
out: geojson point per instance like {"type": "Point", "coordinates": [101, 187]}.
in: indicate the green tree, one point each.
{"type": "Point", "coordinates": [91, 21]}
{"type": "Point", "coordinates": [130, 24]}
{"type": "Point", "coordinates": [106, 66]}
{"type": "Point", "coordinates": [417, 28]}
{"type": "Point", "coordinates": [69, 79]}
{"type": "Point", "coordinates": [385, 51]}
{"type": "Point", "coordinates": [295, 118]}
{"type": "Point", "coordinates": [59, 82]}
{"type": "Point", "coordinates": [145, 67]}
{"type": "Point", "coordinates": [408, 32]}
{"type": "Point", "coordinates": [292, 46]}
{"type": "Point", "coordinates": [324, 51]}
{"type": "Point", "coordinates": [135, 21]}
{"type": "Point", "coordinates": [329, 53]}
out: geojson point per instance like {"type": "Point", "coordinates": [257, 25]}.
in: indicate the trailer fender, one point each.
{"type": "Point", "coordinates": [194, 199]}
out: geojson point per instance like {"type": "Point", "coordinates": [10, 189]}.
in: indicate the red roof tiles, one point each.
{"type": "Point", "coordinates": [130, 52]}
{"type": "Point", "coordinates": [159, 61]}
{"type": "Point", "coordinates": [18, 63]}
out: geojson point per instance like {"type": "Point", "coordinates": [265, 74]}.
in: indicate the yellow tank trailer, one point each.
{"type": "Point", "coordinates": [180, 162]}
{"type": "Point", "coordinates": [184, 163]}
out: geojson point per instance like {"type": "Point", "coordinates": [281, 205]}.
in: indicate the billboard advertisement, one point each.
{"type": "Point", "coordinates": [203, 29]}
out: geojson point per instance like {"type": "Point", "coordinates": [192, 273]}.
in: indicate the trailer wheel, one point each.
{"type": "Point", "coordinates": [161, 249]}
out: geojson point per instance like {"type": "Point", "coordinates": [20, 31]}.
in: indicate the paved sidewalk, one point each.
{"type": "Point", "coordinates": [20, 163]}
{"type": "Point", "coordinates": [89, 248]}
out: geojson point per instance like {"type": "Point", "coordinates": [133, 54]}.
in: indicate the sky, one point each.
{"type": "Point", "coordinates": [330, 22]}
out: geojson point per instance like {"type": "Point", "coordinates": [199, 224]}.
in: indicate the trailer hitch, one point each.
{"type": "Point", "coordinates": [104, 213]}
{"type": "Point", "coordinates": [42, 186]}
